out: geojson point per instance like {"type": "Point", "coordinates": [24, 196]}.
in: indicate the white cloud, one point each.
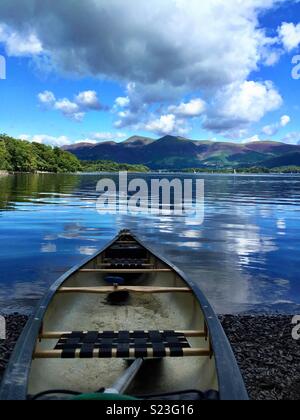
{"type": "Point", "coordinates": [238, 105]}
{"type": "Point", "coordinates": [272, 57]}
{"type": "Point", "coordinates": [271, 52]}
{"type": "Point", "coordinates": [289, 34]}
{"type": "Point", "coordinates": [250, 101]}
{"type": "Point", "coordinates": [194, 108]}
{"type": "Point", "coordinates": [88, 100]}
{"type": "Point", "coordinates": [166, 124]}
{"type": "Point", "coordinates": [122, 102]}
{"type": "Point", "coordinates": [285, 120]}
{"type": "Point", "coordinates": [60, 141]}
{"type": "Point", "coordinates": [76, 109]}
{"type": "Point", "coordinates": [87, 250]}
{"type": "Point", "coordinates": [163, 51]}
{"type": "Point", "coordinates": [128, 118]}
{"type": "Point", "coordinates": [19, 44]}
{"type": "Point", "coordinates": [69, 109]}
{"type": "Point", "coordinates": [178, 44]}
{"type": "Point", "coordinates": [66, 106]}
{"type": "Point", "coordinates": [46, 98]}
{"type": "Point", "coordinates": [88, 140]}
{"type": "Point", "coordinates": [271, 130]}
{"type": "Point", "coordinates": [252, 139]}
{"type": "Point", "coordinates": [230, 112]}
{"type": "Point", "coordinates": [175, 121]}
{"type": "Point", "coordinates": [24, 137]}
{"type": "Point", "coordinates": [292, 138]}
{"type": "Point", "coordinates": [108, 136]}
{"type": "Point", "coordinates": [45, 139]}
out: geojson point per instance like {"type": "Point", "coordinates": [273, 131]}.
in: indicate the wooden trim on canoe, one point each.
{"type": "Point", "coordinates": [57, 335]}
{"type": "Point", "coordinates": [131, 289]}
{"type": "Point", "coordinates": [126, 271]}
{"type": "Point", "coordinates": [105, 259]}
{"type": "Point", "coordinates": [57, 354]}
{"type": "Point", "coordinates": [126, 264]}
{"type": "Point", "coordinates": [126, 242]}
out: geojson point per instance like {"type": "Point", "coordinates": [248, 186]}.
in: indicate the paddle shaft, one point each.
{"type": "Point", "coordinates": [123, 383]}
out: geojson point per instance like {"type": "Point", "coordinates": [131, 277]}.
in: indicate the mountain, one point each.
{"type": "Point", "coordinates": [137, 141]}
{"type": "Point", "coordinates": [171, 152]}
{"type": "Point", "coordinates": [289, 159]}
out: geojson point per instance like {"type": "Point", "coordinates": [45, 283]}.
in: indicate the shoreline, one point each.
{"type": "Point", "coordinates": [240, 174]}
{"type": "Point", "coordinates": [268, 356]}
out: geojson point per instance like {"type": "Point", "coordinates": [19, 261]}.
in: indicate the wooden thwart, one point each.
{"type": "Point", "coordinates": [125, 259]}
{"type": "Point", "coordinates": [126, 264]}
{"type": "Point", "coordinates": [127, 243]}
{"type": "Point", "coordinates": [126, 271]}
{"type": "Point", "coordinates": [57, 354]}
{"type": "Point", "coordinates": [131, 289]}
{"type": "Point", "coordinates": [57, 335]}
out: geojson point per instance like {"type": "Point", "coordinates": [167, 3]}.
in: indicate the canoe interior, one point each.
{"type": "Point", "coordinates": [91, 312]}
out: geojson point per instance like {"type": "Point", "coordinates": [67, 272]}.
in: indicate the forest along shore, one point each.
{"type": "Point", "coordinates": [268, 356]}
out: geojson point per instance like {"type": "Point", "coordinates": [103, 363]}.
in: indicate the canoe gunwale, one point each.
{"type": "Point", "coordinates": [15, 381]}
{"type": "Point", "coordinates": [231, 382]}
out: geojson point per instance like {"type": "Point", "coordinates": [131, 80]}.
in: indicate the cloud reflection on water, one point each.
{"type": "Point", "coordinates": [238, 256]}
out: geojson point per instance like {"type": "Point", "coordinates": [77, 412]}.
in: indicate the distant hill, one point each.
{"type": "Point", "coordinates": [171, 153]}
{"type": "Point", "coordinates": [137, 141]}
{"type": "Point", "coordinates": [289, 159]}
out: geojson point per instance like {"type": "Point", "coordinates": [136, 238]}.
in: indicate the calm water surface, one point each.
{"type": "Point", "coordinates": [245, 256]}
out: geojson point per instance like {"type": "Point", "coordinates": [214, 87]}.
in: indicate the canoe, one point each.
{"type": "Point", "coordinates": [123, 315]}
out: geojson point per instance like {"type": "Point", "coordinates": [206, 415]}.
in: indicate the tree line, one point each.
{"type": "Point", "coordinates": [110, 166]}
{"type": "Point", "coordinates": [23, 156]}
{"type": "Point", "coordinates": [252, 170]}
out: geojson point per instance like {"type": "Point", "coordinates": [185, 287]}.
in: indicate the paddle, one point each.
{"type": "Point", "coordinates": [123, 383]}
{"type": "Point", "coordinates": [116, 392]}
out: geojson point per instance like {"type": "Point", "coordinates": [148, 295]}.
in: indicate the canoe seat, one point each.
{"type": "Point", "coordinates": [123, 344]}
{"type": "Point", "coordinates": [126, 263]}
{"type": "Point", "coordinates": [126, 251]}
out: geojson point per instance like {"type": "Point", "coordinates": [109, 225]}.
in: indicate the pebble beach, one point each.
{"type": "Point", "coordinates": [268, 356]}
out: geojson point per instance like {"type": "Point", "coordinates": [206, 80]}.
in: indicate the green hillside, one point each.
{"type": "Point", "coordinates": [143, 155]}
{"type": "Point", "coordinates": [174, 153]}
{"type": "Point", "coordinates": [289, 159]}
{"type": "Point", "coordinates": [22, 156]}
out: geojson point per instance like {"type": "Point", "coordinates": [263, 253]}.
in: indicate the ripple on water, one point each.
{"type": "Point", "coordinates": [245, 255]}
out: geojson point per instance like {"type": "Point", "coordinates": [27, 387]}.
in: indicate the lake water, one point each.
{"type": "Point", "coordinates": [245, 255]}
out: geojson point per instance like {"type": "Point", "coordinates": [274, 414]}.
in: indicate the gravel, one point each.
{"type": "Point", "coordinates": [268, 356]}
{"type": "Point", "coordinates": [14, 326]}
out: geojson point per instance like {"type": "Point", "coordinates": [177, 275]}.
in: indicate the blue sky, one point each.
{"type": "Point", "coordinates": [106, 70]}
